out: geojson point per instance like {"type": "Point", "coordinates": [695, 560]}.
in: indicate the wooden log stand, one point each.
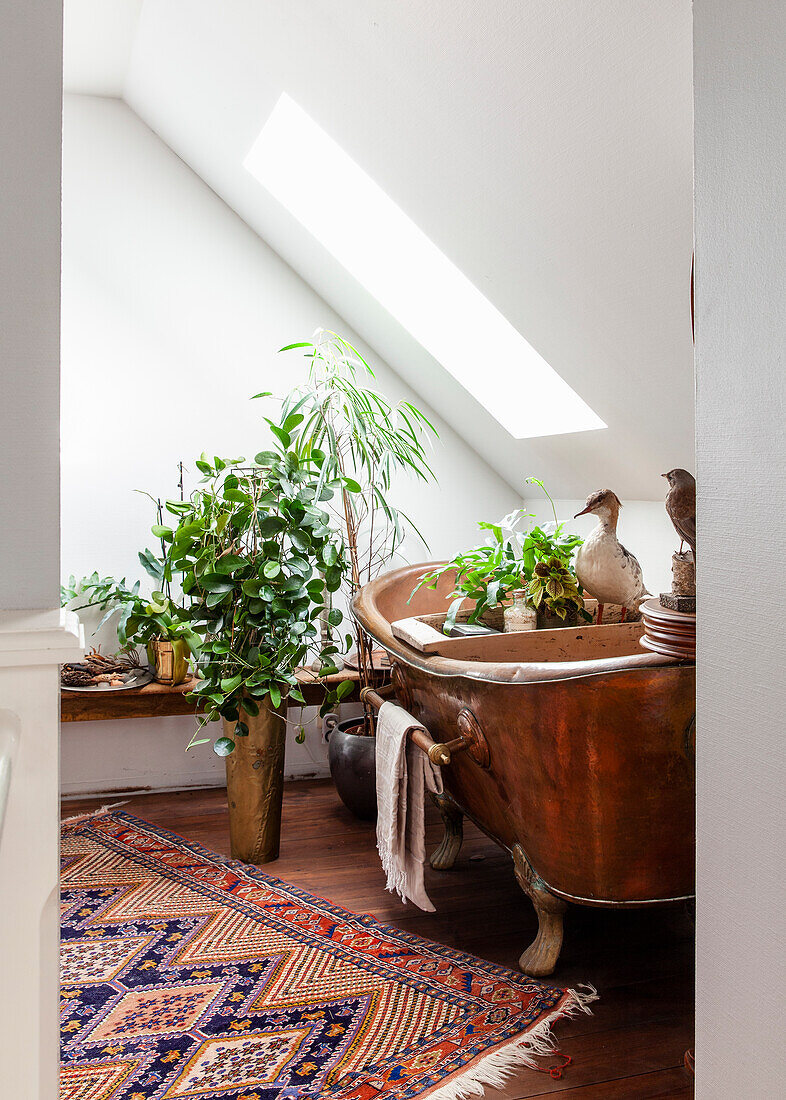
{"type": "Point", "coordinates": [683, 584]}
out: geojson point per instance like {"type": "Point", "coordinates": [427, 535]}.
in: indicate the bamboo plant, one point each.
{"type": "Point", "coordinates": [359, 440]}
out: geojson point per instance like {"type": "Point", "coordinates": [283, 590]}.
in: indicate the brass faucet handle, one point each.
{"type": "Point", "coordinates": [439, 755]}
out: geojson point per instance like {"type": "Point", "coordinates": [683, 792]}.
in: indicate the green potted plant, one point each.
{"type": "Point", "coordinates": [155, 623]}
{"type": "Point", "coordinates": [257, 555]}
{"type": "Point", "coordinates": [536, 559]}
{"type": "Point", "coordinates": [554, 591]}
{"type": "Point", "coordinates": [360, 440]}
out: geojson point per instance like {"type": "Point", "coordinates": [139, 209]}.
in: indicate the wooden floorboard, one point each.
{"type": "Point", "coordinates": [641, 962]}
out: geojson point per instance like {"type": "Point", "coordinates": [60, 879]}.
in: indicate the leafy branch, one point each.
{"type": "Point", "coordinates": [358, 440]}
{"type": "Point", "coordinates": [257, 555]}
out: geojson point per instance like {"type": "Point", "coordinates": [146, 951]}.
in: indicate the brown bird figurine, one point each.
{"type": "Point", "coordinates": [606, 570]}
{"type": "Point", "coordinates": [681, 506]}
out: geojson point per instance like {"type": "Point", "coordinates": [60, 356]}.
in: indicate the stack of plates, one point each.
{"type": "Point", "coordinates": [672, 633]}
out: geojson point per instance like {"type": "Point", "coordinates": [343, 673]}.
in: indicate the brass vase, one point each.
{"type": "Point", "coordinates": [169, 660]}
{"type": "Point", "coordinates": [255, 784]}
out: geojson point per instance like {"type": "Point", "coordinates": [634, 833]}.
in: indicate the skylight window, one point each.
{"type": "Point", "coordinates": [383, 249]}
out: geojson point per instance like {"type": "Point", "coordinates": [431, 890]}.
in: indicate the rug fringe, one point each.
{"type": "Point", "coordinates": [496, 1068]}
{"type": "Point", "coordinates": [94, 813]}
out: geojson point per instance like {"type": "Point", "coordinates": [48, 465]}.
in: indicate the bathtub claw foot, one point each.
{"type": "Point", "coordinates": [541, 956]}
{"type": "Point", "coordinates": [444, 856]}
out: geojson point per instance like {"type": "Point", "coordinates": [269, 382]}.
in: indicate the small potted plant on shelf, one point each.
{"type": "Point", "coordinates": [359, 441]}
{"type": "Point", "coordinates": [155, 623]}
{"type": "Point", "coordinates": [515, 558]}
{"type": "Point", "coordinates": [256, 554]}
{"type": "Point", "coordinates": [158, 623]}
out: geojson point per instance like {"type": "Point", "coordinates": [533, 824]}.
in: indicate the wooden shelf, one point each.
{"type": "Point", "coordinates": [158, 701]}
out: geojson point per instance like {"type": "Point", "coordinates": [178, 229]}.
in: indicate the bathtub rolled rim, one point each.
{"type": "Point", "coordinates": [365, 610]}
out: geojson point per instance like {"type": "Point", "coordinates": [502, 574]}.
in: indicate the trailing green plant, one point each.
{"type": "Point", "coordinates": [257, 555]}
{"type": "Point", "coordinates": [358, 440]}
{"type": "Point", "coordinates": [554, 584]}
{"type": "Point", "coordinates": [490, 573]}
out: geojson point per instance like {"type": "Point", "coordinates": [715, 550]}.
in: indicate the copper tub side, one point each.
{"type": "Point", "coordinates": [582, 768]}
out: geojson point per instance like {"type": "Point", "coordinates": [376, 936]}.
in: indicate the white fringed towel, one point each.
{"type": "Point", "coordinates": [404, 774]}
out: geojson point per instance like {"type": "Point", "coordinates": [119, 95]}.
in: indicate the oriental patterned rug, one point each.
{"type": "Point", "coordinates": [185, 976]}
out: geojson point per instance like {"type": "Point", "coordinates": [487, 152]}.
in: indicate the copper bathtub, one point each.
{"type": "Point", "coordinates": [582, 766]}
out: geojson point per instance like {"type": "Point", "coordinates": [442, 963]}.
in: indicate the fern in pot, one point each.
{"type": "Point", "coordinates": [360, 441]}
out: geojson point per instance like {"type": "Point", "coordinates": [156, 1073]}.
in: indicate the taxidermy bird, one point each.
{"type": "Point", "coordinates": [606, 570]}
{"type": "Point", "coordinates": [681, 506]}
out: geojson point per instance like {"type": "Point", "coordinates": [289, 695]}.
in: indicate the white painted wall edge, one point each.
{"type": "Point", "coordinates": [145, 755]}
{"type": "Point", "coordinates": [142, 755]}
{"type": "Point", "coordinates": [39, 637]}
{"type": "Point", "coordinates": [740, 193]}
{"type": "Point", "coordinates": [29, 844]}
{"type": "Point", "coordinates": [31, 50]}
{"type": "Point", "coordinates": [30, 139]}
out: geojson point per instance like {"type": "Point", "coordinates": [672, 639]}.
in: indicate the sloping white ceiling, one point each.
{"type": "Point", "coordinates": [545, 148]}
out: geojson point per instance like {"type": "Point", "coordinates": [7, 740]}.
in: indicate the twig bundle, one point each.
{"type": "Point", "coordinates": [99, 669]}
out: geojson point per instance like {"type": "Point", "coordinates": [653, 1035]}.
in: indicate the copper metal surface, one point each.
{"type": "Point", "coordinates": [589, 773]}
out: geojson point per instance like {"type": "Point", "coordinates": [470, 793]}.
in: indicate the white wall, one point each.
{"type": "Point", "coordinates": [173, 310]}
{"type": "Point", "coordinates": [172, 313]}
{"type": "Point", "coordinates": [740, 119]}
{"type": "Point", "coordinates": [137, 755]}
{"type": "Point", "coordinates": [29, 301]}
{"type": "Point", "coordinates": [545, 148]}
{"type": "Point", "coordinates": [31, 641]}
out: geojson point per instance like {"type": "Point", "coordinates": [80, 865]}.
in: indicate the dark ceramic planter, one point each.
{"type": "Point", "coordinates": [352, 760]}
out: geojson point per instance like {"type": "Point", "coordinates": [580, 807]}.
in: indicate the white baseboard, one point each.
{"type": "Point", "coordinates": [146, 755]}
{"type": "Point", "coordinates": [112, 786]}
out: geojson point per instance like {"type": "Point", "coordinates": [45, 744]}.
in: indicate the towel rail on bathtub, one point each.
{"type": "Point", "coordinates": [375, 698]}
{"type": "Point", "coordinates": [439, 753]}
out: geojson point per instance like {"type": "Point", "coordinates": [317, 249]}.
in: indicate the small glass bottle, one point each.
{"type": "Point", "coordinates": [519, 615]}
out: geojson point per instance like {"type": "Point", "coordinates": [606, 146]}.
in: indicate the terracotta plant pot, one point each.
{"type": "Point", "coordinates": [352, 759]}
{"type": "Point", "coordinates": [169, 660]}
{"type": "Point", "coordinates": [255, 784]}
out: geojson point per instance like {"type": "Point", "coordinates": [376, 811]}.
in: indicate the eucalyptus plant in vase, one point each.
{"type": "Point", "coordinates": [359, 441]}
{"type": "Point", "coordinates": [256, 554]}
